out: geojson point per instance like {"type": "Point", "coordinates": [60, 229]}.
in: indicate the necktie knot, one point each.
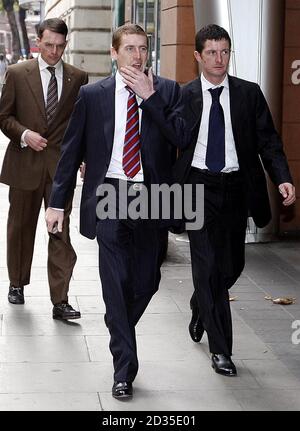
{"type": "Point", "coordinates": [216, 93]}
{"type": "Point", "coordinates": [129, 90]}
{"type": "Point", "coordinates": [51, 70]}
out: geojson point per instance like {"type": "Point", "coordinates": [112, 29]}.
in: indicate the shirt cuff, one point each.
{"type": "Point", "coordinates": [23, 143]}
{"type": "Point", "coordinates": [57, 209]}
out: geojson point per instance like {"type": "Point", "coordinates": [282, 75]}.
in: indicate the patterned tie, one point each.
{"type": "Point", "coordinates": [131, 150]}
{"type": "Point", "coordinates": [215, 152]}
{"type": "Point", "coordinates": [52, 97]}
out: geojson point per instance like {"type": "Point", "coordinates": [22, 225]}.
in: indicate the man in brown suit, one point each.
{"type": "Point", "coordinates": [36, 103]}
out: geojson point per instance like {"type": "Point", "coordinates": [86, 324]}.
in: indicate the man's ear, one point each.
{"type": "Point", "coordinates": [113, 53]}
{"type": "Point", "coordinates": [197, 56]}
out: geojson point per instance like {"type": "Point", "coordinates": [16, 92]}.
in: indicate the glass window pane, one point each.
{"type": "Point", "coordinates": [147, 15]}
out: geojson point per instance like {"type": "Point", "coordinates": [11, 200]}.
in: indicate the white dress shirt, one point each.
{"type": "Point", "coordinates": [115, 169]}
{"type": "Point", "coordinates": [231, 160]}
{"type": "Point", "coordinates": [46, 75]}
{"type": "Point", "coordinates": [45, 78]}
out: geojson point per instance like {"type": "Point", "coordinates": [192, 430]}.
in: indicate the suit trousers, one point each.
{"type": "Point", "coordinates": [129, 266]}
{"type": "Point", "coordinates": [218, 252]}
{"type": "Point", "coordinates": [21, 230]}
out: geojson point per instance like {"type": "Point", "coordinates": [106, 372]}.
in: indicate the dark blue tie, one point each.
{"type": "Point", "coordinates": [215, 152]}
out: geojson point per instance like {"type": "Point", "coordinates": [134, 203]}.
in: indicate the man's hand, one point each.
{"type": "Point", "coordinates": [287, 190]}
{"type": "Point", "coordinates": [35, 141]}
{"type": "Point", "coordinates": [138, 81]}
{"type": "Point", "coordinates": [54, 220]}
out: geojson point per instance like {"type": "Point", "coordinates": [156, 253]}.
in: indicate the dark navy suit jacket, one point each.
{"type": "Point", "coordinates": [90, 136]}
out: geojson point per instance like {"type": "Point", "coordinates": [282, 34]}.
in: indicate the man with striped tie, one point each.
{"type": "Point", "coordinates": [36, 104]}
{"type": "Point", "coordinates": [126, 128]}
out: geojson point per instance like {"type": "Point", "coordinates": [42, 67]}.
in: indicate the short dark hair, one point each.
{"type": "Point", "coordinates": [210, 32]}
{"type": "Point", "coordinates": [127, 29]}
{"type": "Point", "coordinates": [53, 24]}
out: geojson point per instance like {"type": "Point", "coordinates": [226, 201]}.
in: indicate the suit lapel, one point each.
{"type": "Point", "coordinates": [236, 108]}
{"type": "Point", "coordinates": [108, 110]}
{"type": "Point", "coordinates": [67, 85]}
{"type": "Point", "coordinates": [34, 82]}
{"type": "Point", "coordinates": [196, 99]}
{"type": "Point", "coordinates": [146, 120]}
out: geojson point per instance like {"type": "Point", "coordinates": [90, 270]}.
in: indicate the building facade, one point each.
{"type": "Point", "coordinates": [90, 24]}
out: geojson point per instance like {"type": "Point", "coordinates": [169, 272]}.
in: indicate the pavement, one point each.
{"type": "Point", "coordinates": [49, 365]}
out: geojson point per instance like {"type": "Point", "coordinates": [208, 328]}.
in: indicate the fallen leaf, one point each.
{"type": "Point", "coordinates": [232, 298]}
{"type": "Point", "coordinates": [284, 301]}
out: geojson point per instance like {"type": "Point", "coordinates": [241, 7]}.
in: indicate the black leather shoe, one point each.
{"type": "Point", "coordinates": [64, 311]}
{"type": "Point", "coordinates": [195, 327]}
{"type": "Point", "coordinates": [16, 295]}
{"type": "Point", "coordinates": [122, 390]}
{"type": "Point", "coordinates": [223, 364]}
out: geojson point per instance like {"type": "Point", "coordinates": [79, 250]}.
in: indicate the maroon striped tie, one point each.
{"type": "Point", "coordinates": [131, 150]}
{"type": "Point", "coordinates": [52, 97]}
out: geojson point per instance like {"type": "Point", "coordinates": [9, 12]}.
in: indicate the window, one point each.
{"type": "Point", "coordinates": [146, 13]}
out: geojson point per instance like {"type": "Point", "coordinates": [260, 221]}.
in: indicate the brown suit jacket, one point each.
{"type": "Point", "coordinates": [22, 107]}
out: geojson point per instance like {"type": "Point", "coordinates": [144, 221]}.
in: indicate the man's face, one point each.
{"type": "Point", "coordinates": [132, 51]}
{"type": "Point", "coordinates": [51, 46]}
{"type": "Point", "coordinates": [214, 60]}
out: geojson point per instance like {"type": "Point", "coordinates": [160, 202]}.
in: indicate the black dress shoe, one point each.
{"type": "Point", "coordinates": [16, 295]}
{"type": "Point", "coordinates": [223, 364]}
{"type": "Point", "coordinates": [122, 390]}
{"type": "Point", "coordinates": [64, 311]}
{"type": "Point", "coordinates": [195, 327]}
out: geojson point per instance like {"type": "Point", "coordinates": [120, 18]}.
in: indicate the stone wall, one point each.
{"type": "Point", "coordinates": [89, 23]}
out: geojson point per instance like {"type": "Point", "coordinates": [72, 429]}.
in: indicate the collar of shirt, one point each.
{"type": "Point", "coordinates": [206, 85]}
{"type": "Point", "coordinates": [120, 87]}
{"type": "Point", "coordinates": [120, 84]}
{"type": "Point", "coordinates": [58, 66]}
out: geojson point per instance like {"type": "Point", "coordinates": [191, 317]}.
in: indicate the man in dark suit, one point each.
{"type": "Point", "coordinates": [233, 138]}
{"type": "Point", "coordinates": [36, 104]}
{"type": "Point", "coordinates": [105, 122]}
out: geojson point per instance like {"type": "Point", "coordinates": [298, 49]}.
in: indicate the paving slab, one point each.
{"type": "Point", "coordinates": [162, 401]}
{"type": "Point", "coordinates": [59, 401]}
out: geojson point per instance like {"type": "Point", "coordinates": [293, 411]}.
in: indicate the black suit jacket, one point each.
{"type": "Point", "coordinates": [90, 135]}
{"type": "Point", "coordinates": [257, 143]}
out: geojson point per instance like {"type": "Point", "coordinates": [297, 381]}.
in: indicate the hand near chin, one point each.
{"type": "Point", "coordinates": [138, 81]}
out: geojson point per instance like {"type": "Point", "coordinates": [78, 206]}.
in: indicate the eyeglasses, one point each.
{"type": "Point", "coordinates": [212, 53]}
{"type": "Point", "coordinates": [51, 46]}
